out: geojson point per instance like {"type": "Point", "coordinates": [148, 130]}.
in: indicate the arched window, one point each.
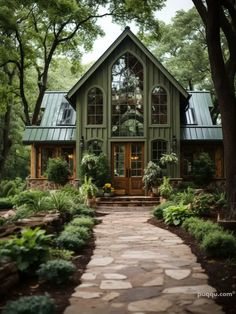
{"type": "Point", "coordinates": [159, 105]}
{"type": "Point", "coordinates": [127, 96]}
{"type": "Point", "coordinates": [95, 106]}
{"type": "Point", "coordinates": [159, 147]}
{"type": "Point", "coordinates": [95, 147]}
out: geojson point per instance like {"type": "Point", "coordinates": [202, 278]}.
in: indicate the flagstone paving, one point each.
{"type": "Point", "coordinates": [139, 268]}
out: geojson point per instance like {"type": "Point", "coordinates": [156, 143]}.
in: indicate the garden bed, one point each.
{"type": "Point", "coordinates": [222, 273]}
{"type": "Point", "coordinates": [60, 293]}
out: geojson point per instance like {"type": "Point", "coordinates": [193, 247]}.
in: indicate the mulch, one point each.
{"type": "Point", "coordinates": [222, 273]}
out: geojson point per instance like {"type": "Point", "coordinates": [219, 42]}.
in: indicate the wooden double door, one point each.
{"type": "Point", "coordinates": [127, 167]}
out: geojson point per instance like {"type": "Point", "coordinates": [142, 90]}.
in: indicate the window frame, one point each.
{"type": "Point", "coordinates": [110, 132]}
{"type": "Point", "coordinates": [103, 107]}
{"type": "Point", "coordinates": [167, 124]}
{"type": "Point", "coordinates": [95, 140]}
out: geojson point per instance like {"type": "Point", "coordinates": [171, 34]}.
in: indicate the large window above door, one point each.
{"type": "Point", "coordinates": [127, 97]}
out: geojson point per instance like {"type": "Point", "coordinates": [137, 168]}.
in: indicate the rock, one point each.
{"type": "Point", "coordinates": [115, 276]}
{"type": "Point", "coordinates": [89, 276]}
{"type": "Point", "coordinates": [158, 281]}
{"type": "Point", "coordinates": [100, 261]}
{"type": "Point", "coordinates": [178, 274]}
{"type": "Point", "coordinates": [110, 296]}
{"type": "Point", "coordinates": [198, 289]}
{"type": "Point", "coordinates": [86, 294]}
{"type": "Point", "coordinates": [156, 305]}
{"type": "Point", "coordinates": [115, 284]}
{"type": "Point", "coordinates": [9, 213]}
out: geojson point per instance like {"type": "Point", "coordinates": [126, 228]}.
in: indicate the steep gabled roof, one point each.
{"type": "Point", "coordinates": [126, 33]}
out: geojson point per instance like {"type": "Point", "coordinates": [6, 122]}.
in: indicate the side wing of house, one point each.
{"type": "Point", "coordinates": [55, 136]}
{"type": "Point", "coordinates": [198, 134]}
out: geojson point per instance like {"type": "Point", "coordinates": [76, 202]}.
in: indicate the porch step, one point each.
{"type": "Point", "coordinates": [128, 201]}
{"type": "Point", "coordinates": [108, 209]}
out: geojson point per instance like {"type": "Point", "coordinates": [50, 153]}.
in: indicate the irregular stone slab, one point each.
{"type": "Point", "coordinates": [114, 276]}
{"type": "Point", "coordinates": [86, 285]}
{"type": "Point", "coordinates": [200, 276]}
{"type": "Point", "coordinates": [110, 296]}
{"type": "Point", "coordinates": [101, 261]}
{"type": "Point", "coordinates": [158, 281]}
{"type": "Point", "coordinates": [178, 274]}
{"type": "Point", "coordinates": [205, 309]}
{"type": "Point", "coordinates": [139, 293]}
{"type": "Point", "coordinates": [150, 305]}
{"type": "Point", "coordinates": [115, 284]}
{"type": "Point", "coordinates": [190, 289]}
{"type": "Point", "coordinates": [89, 276]}
{"type": "Point", "coordinates": [117, 267]}
{"type": "Point", "coordinates": [117, 305]}
{"type": "Point", "coordinates": [143, 255]}
{"type": "Point", "coordinates": [86, 295]}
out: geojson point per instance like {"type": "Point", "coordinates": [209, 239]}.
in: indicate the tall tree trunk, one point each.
{"type": "Point", "coordinates": [6, 141]}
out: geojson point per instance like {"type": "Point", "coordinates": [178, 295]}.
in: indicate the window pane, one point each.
{"type": "Point", "coordinates": [95, 147]}
{"type": "Point", "coordinates": [159, 106]}
{"type": "Point", "coordinates": [95, 106]}
{"type": "Point", "coordinates": [159, 147]}
{"type": "Point", "coordinates": [127, 97]}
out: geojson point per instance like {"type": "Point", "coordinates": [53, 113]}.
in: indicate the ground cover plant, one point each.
{"type": "Point", "coordinates": [56, 271]}
{"type": "Point", "coordinates": [30, 305]}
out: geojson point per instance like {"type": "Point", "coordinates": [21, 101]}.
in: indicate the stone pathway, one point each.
{"type": "Point", "coordinates": [139, 268]}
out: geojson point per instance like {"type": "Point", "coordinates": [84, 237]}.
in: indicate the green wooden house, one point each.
{"type": "Point", "coordinates": [130, 107]}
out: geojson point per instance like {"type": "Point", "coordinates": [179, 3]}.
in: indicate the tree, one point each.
{"type": "Point", "coordinates": [34, 32]}
{"type": "Point", "coordinates": [219, 18]}
{"type": "Point", "coordinates": [183, 50]}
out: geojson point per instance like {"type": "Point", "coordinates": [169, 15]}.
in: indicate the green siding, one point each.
{"type": "Point", "coordinates": [101, 78]}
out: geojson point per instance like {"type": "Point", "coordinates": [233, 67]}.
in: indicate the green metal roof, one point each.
{"type": "Point", "coordinates": [117, 42]}
{"type": "Point", "coordinates": [50, 130]}
{"type": "Point", "coordinates": [199, 125]}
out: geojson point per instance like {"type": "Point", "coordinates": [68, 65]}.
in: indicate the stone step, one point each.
{"type": "Point", "coordinates": [128, 201]}
{"type": "Point", "coordinates": [108, 209]}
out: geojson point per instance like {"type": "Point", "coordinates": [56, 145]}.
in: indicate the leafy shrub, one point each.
{"type": "Point", "coordinates": [29, 197]}
{"type": "Point", "coordinates": [152, 175]}
{"type": "Point", "coordinates": [11, 187]}
{"type": "Point", "coordinates": [58, 171]}
{"type": "Point", "coordinates": [83, 210]}
{"type": "Point", "coordinates": [61, 201]}
{"type": "Point", "coordinates": [2, 221]}
{"type": "Point", "coordinates": [158, 210]}
{"type": "Point", "coordinates": [202, 203]}
{"type": "Point", "coordinates": [57, 271]}
{"type": "Point", "coordinates": [5, 203]}
{"type": "Point", "coordinates": [190, 223]}
{"type": "Point", "coordinates": [88, 190]}
{"type": "Point", "coordinates": [175, 215]}
{"type": "Point", "coordinates": [55, 253]}
{"type": "Point", "coordinates": [30, 305]}
{"type": "Point", "coordinates": [21, 213]}
{"type": "Point", "coordinates": [168, 159]}
{"type": "Point", "coordinates": [81, 232]}
{"type": "Point", "coordinates": [186, 197]}
{"type": "Point", "coordinates": [219, 244]}
{"type": "Point", "coordinates": [70, 241]}
{"type": "Point", "coordinates": [165, 188]}
{"type": "Point", "coordinates": [203, 170]}
{"type": "Point", "coordinates": [29, 250]}
{"type": "Point", "coordinates": [220, 199]}
{"type": "Point", "coordinates": [83, 221]}
{"type": "Point", "coordinates": [199, 230]}
{"type": "Point", "coordinates": [95, 167]}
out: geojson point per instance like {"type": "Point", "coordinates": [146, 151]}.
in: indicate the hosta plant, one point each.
{"type": "Point", "coordinates": [176, 214]}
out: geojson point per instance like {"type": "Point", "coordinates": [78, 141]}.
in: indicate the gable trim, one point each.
{"type": "Point", "coordinates": [105, 55]}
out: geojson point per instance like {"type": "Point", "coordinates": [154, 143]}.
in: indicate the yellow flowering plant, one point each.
{"type": "Point", "coordinates": [107, 188]}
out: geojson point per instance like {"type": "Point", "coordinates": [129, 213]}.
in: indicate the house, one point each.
{"type": "Point", "coordinates": [130, 107]}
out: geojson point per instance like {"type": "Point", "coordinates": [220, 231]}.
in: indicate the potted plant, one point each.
{"type": "Point", "coordinates": [151, 178]}
{"type": "Point", "coordinates": [108, 190]}
{"type": "Point", "coordinates": [165, 189]}
{"type": "Point", "coordinates": [88, 191]}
